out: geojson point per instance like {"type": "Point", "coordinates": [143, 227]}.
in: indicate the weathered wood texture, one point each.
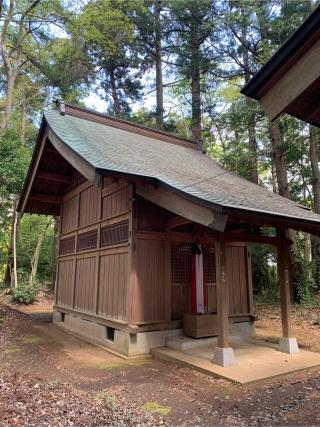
{"type": "Point", "coordinates": [238, 276]}
{"type": "Point", "coordinates": [93, 270]}
{"type": "Point", "coordinates": [129, 267]}
{"type": "Point", "coordinates": [149, 293]}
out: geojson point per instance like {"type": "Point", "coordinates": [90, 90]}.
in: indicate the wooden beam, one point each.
{"type": "Point", "coordinates": [47, 198]}
{"type": "Point", "coordinates": [87, 170]}
{"type": "Point", "coordinates": [176, 221]}
{"type": "Point", "coordinates": [184, 207]}
{"type": "Point", "coordinates": [222, 287]}
{"type": "Point", "coordinates": [292, 83]}
{"type": "Point", "coordinates": [49, 176]}
{"type": "Point", "coordinates": [34, 171]}
{"type": "Point", "coordinates": [283, 275]}
{"type": "Point", "coordinates": [252, 238]}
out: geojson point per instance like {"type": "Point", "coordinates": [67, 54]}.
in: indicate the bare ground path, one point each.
{"type": "Point", "coordinates": [49, 377]}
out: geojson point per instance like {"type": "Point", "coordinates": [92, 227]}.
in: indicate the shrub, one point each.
{"type": "Point", "coordinates": [25, 294]}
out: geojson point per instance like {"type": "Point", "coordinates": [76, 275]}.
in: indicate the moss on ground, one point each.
{"type": "Point", "coordinates": [156, 408]}
{"type": "Point", "coordinates": [12, 349]}
{"type": "Point", "coordinates": [114, 365]}
{"type": "Point", "coordinates": [29, 339]}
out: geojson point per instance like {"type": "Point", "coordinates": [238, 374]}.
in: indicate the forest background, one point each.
{"type": "Point", "coordinates": [176, 65]}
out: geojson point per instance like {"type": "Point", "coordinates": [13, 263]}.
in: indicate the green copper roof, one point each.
{"type": "Point", "coordinates": [180, 168]}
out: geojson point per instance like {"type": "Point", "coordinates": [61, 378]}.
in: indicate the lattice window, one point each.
{"type": "Point", "coordinates": [115, 234]}
{"type": "Point", "coordinates": [181, 263]}
{"type": "Point", "coordinates": [67, 245]}
{"type": "Point", "coordinates": [87, 240]}
{"type": "Point", "coordinates": [209, 264]}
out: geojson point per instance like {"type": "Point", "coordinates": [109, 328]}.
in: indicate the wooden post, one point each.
{"type": "Point", "coordinates": [223, 354]}
{"type": "Point", "coordinates": [288, 344]}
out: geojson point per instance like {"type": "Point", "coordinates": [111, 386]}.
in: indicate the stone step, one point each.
{"type": "Point", "coordinates": [183, 343]}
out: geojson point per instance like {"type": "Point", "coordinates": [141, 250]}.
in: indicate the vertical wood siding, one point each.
{"type": "Point", "coordinates": [84, 285]}
{"type": "Point", "coordinates": [238, 279]}
{"type": "Point", "coordinates": [112, 288]}
{"type": "Point", "coordinates": [65, 283]}
{"type": "Point", "coordinates": [116, 203]}
{"type": "Point", "coordinates": [70, 215]}
{"type": "Point", "coordinates": [94, 279]}
{"type": "Point", "coordinates": [88, 212]}
{"type": "Point", "coordinates": [148, 295]}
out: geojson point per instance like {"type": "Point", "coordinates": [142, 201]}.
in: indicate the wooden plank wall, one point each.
{"type": "Point", "coordinates": [94, 281]}
{"type": "Point", "coordinates": [237, 272]}
{"type": "Point", "coordinates": [149, 294]}
{"type": "Point", "coordinates": [160, 296]}
{"type": "Point", "coordinates": [238, 279]}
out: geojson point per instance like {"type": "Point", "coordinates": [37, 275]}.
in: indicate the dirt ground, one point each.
{"type": "Point", "coordinates": [49, 377]}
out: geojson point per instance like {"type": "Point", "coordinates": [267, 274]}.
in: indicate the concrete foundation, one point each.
{"type": "Point", "coordinates": [238, 331]}
{"type": "Point", "coordinates": [125, 343]}
{"type": "Point", "coordinates": [288, 345]}
{"type": "Point", "coordinates": [224, 356]}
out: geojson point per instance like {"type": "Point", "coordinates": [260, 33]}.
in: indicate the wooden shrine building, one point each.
{"type": "Point", "coordinates": [133, 201]}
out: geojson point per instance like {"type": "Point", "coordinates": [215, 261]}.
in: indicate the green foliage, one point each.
{"type": "Point", "coordinates": [110, 40]}
{"type": "Point", "coordinates": [31, 226]}
{"type": "Point", "coordinates": [25, 294]}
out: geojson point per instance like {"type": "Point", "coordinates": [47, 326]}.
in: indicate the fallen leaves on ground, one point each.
{"type": "Point", "coordinates": [26, 401]}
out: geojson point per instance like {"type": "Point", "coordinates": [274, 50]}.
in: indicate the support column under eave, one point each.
{"type": "Point", "coordinates": [288, 344]}
{"type": "Point", "coordinates": [223, 353]}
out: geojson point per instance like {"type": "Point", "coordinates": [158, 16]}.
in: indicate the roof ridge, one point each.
{"type": "Point", "coordinates": [95, 116]}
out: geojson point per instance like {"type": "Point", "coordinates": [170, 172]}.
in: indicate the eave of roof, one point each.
{"type": "Point", "coordinates": [278, 61]}
{"type": "Point", "coordinates": [186, 171]}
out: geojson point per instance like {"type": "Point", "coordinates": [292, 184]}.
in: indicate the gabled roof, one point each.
{"type": "Point", "coordinates": [100, 148]}
{"type": "Point", "coordinates": [288, 53]}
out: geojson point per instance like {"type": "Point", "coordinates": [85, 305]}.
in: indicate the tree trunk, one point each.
{"type": "Point", "coordinates": [279, 160]}
{"type": "Point", "coordinates": [15, 226]}
{"type": "Point", "coordinates": [8, 102]}
{"type": "Point", "coordinates": [158, 61]}
{"type": "Point", "coordinates": [283, 189]}
{"type": "Point", "coordinates": [253, 149]}
{"type": "Point", "coordinates": [23, 122]}
{"type": "Point", "coordinates": [36, 256]}
{"type": "Point", "coordinates": [195, 83]}
{"type": "Point", "coordinates": [314, 159]}
{"type": "Point", "coordinates": [8, 279]}
{"type": "Point", "coordinates": [251, 119]}
{"type": "Point", "coordinates": [116, 101]}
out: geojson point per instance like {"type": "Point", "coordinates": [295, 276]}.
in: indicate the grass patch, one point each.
{"type": "Point", "coordinates": [114, 365]}
{"type": "Point", "coordinates": [12, 350]}
{"type": "Point", "coordinates": [156, 408]}
{"type": "Point", "coordinates": [29, 339]}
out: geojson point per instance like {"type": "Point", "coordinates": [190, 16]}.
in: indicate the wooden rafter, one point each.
{"type": "Point", "coordinates": [47, 198]}
{"type": "Point", "coordinates": [49, 176]}
{"type": "Point", "coordinates": [176, 221]}
{"type": "Point", "coordinates": [183, 207]}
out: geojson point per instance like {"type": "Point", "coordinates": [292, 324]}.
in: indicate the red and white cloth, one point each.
{"type": "Point", "coordinates": [198, 282]}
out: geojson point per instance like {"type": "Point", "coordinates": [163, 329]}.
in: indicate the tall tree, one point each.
{"type": "Point", "coordinates": [191, 27]}
{"type": "Point", "coordinates": [147, 16]}
{"type": "Point", "coordinates": [110, 40]}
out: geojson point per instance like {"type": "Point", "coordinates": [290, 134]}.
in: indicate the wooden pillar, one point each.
{"type": "Point", "coordinates": [288, 344]}
{"type": "Point", "coordinates": [223, 354]}
{"type": "Point", "coordinates": [222, 294]}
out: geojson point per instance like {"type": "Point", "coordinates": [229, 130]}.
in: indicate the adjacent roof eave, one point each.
{"type": "Point", "coordinates": [308, 28]}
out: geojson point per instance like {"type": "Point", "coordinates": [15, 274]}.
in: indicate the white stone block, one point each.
{"type": "Point", "coordinates": [288, 345]}
{"type": "Point", "coordinates": [224, 356]}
